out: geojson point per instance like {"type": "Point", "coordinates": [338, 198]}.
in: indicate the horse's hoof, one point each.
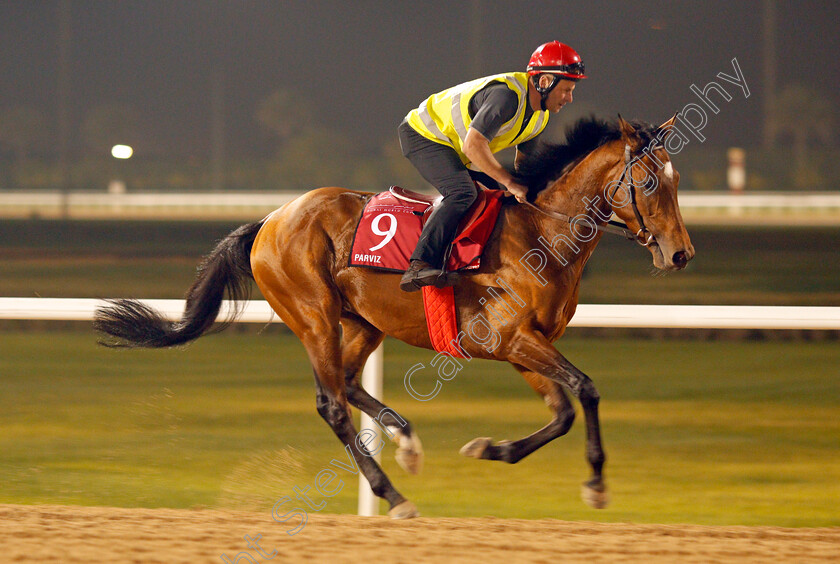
{"type": "Point", "coordinates": [595, 495]}
{"type": "Point", "coordinates": [476, 447]}
{"type": "Point", "coordinates": [404, 510]}
{"type": "Point", "coordinates": [409, 454]}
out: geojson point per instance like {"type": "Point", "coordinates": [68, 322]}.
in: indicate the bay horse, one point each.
{"type": "Point", "coordinates": [298, 257]}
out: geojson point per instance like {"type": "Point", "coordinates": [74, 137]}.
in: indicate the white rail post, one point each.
{"type": "Point", "coordinates": [372, 383]}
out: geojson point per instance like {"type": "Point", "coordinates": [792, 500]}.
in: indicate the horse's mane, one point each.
{"type": "Point", "coordinates": [550, 160]}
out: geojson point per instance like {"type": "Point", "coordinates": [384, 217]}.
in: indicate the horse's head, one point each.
{"type": "Point", "coordinates": [645, 196]}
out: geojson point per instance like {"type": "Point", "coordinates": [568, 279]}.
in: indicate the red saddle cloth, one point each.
{"type": "Point", "coordinates": [391, 223]}
{"type": "Point", "coordinates": [389, 230]}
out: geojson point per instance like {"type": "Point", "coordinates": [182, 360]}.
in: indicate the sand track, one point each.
{"type": "Point", "coordinates": [70, 534]}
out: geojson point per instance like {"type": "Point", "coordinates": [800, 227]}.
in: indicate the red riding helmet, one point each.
{"type": "Point", "coordinates": [558, 59]}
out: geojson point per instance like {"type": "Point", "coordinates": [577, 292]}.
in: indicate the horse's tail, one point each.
{"type": "Point", "coordinates": [226, 269]}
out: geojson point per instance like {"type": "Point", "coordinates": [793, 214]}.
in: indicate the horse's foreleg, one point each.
{"type": "Point", "coordinates": [514, 451]}
{"type": "Point", "coordinates": [533, 351]}
{"type": "Point", "coordinates": [358, 341]}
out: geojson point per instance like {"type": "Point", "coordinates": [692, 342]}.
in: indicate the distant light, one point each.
{"type": "Point", "coordinates": [657, 24]}
{"type": "Point", "coordinates": [121, 152]}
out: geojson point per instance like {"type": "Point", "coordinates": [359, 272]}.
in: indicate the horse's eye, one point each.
{"type": "Point", "coordinates": [651, 183]}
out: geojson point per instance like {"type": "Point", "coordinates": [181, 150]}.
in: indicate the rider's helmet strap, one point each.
{"type": "Point", "coordinates": [545, 91]}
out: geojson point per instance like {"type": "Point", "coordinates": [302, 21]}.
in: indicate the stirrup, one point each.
{"type": "Point", "coordinates": [413, 280]}
{"type": "Point", "coordinates": [445, 279]}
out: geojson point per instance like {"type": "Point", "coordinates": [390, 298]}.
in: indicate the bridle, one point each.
{"type": "Point", "coordinates": [643, 236]}
{"type": "Point", "coordinates": [631, 189]}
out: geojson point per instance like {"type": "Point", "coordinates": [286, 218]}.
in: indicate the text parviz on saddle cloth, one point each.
{"type": "Point", "coordinates": [453, 135]}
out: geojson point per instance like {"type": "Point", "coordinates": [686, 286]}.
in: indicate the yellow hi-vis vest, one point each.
{"type": "Point", "coordinates": [445, 118]}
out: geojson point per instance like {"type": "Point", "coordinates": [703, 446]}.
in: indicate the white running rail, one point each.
{"type": "Point", "coordinates": [588, 315]}
{"type": "Point", "coordinates": [824, 205]}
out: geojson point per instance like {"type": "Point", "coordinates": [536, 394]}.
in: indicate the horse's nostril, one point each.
{"type": "Point", "coordinates": [680, 259]}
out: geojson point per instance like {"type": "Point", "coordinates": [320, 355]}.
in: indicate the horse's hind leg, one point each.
{"type": "Point", "coordinates": [291, 263]}
{"type": "Point", "coordinates": [514, 451]}
{"type": "Point", "coordinates": [313, 313]}
{"type": "Point", "coordinates": [359, 340]}
{"type": "Point", "coordinates": [331, 402]}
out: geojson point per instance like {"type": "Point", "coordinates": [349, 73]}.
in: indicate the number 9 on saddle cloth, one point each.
{"type": "Point", "coordinates": [391, 222]}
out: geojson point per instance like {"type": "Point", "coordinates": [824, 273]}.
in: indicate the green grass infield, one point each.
{"type": "Point", "coordinates": [736, 433]}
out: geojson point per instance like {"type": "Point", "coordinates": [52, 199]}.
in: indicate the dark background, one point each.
{"type": "Point", "coordinates": [363, 65]}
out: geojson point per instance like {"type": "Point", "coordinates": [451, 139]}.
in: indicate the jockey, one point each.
{"type": "Point", "coordinates": [457, 130]}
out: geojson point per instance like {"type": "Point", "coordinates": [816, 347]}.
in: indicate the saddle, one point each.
{"type": "Point", "coordinates": [473, 214]}
{"type": "Point", "coordinates": [391, 223]}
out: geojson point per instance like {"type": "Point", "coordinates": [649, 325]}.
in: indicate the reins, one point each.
{"type": "Point", "coordinates": [613, 227]}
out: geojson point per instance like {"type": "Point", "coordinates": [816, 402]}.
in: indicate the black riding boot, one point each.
{"type": "Point", "coordinates": [427, 262]}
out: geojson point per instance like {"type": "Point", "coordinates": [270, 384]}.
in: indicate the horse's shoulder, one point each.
{"type": "Point", "coordinates": [515, 226]}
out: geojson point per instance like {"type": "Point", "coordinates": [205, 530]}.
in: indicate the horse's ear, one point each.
{"type": "Point", "coordinates": [627, 130]}
{"type": "Point", "coordinates": [666, 127]}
